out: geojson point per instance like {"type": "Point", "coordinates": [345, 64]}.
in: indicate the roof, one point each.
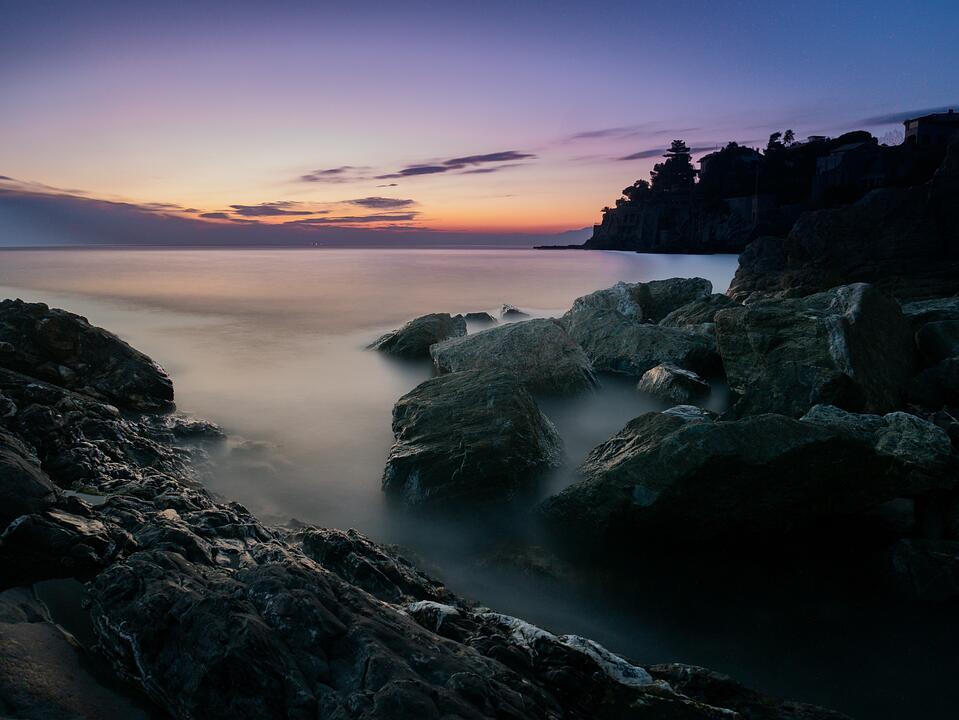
{"type": "Point", "coordinates": [946, 117]}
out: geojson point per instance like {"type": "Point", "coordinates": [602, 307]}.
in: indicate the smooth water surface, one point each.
{"type": "Point", "coordinates": [270, 345]}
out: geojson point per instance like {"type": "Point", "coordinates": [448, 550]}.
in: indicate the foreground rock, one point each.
{"type": "Point", "coordinates": [674, 479]}
{"type": "Point", "coordinates": [539, 353]}
{"type": "Point", "coordinates": [926, 569]}
{"type": "Point", "coordinates": [214, 615]}
{"type": "Point", "coordinates": [616, 327]}
{"type": "Point", "coordinates": [413, 340]}
{"type": "Point", "coordinates": [850, 346]}
{"type": "Point", "coordinates": [906, 240]}
{"type": "Point", "coordinates": [66, 350]}
{"type": "Point", "coordinates": [472, 436]}
{"type": "Point", "coordinates": [673, 384]}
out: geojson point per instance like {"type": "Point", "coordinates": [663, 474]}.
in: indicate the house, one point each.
{"type": "Point", "coordinates": [935, 129]}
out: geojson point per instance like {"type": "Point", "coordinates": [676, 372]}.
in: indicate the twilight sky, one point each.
{"type": "Point", "coordinates": [461, 117]}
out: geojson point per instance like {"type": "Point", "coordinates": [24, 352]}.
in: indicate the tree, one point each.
{"type": "Point", "coordinates": [635, 192]}
{"type": "Point", "coordinates": [789, 137]}
{"type": "Point", "coordinates": [676, 172]}
{"type": "Point", "coordinates": [775, 142]}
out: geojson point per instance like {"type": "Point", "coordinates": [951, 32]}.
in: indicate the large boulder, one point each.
{"type": "Point", "coordinates": [671, 479]}
{"type": "Point", "coordinates": [673, 384]}
{"type": "Point", "coordinates": [472, 436]}
{"type": "Point", "coordinates": [413, 340]}
{"type": "Point", "coordinates": [849, 346]}
{"type": "Point", "coordinates": [66, 350]}
{"type": "Point", "coordinates": [925, 569]}
{"type": "Point", "coordinates": [539, 353]}
{"type": "Point", "coordinates": [616, 326]}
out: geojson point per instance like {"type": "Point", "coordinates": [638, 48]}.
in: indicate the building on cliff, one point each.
{"type": "Point", "coordinates": [934, 129]}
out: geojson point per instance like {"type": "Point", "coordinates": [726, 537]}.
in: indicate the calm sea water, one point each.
{"type": "Point", "coordinates": [269, 344]}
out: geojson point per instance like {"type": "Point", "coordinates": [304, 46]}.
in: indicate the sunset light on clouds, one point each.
{"type": "Point", "coordinates": [481, 118]}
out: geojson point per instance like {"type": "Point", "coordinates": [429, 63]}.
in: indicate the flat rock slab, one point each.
{"type": "Point", "coordinates": [539, 353]}
{"type": "Point", "coordinates": [468, 437]}
{"type": "Point", "coordinates": [673, 384]}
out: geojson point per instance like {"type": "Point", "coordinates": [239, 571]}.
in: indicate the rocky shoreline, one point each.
{"type": "Point", "coordinates": [208, 613]}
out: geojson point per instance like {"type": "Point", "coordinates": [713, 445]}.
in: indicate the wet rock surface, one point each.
{"type": "Point", "coordinates": [850, 346]}
{"type": "Point", "coordinates": [66, 350]}
{"type": "Point", "coordinates": [474, 436]}
{"type": "Point", "coordinates": [214, 615]}
{"type": "Point", "coordinates": [539, 353]}
{"type": "Point", "coordinates": [413, 340]}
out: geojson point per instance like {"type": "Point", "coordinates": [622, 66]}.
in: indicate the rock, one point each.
{"type": "Point", "coordinates": [938, 340]}
{"type": "Point", "coordinates": [467, 437]}
{"type": "Point", "coordinates": [413, 340]}
{"type": "Point", "coordinates": [480, 318]}
{"type": "Point", "coordinates": [919, 452]}
{"type": "Point", "coordinates": [355, 558]}
{"type": "Point", "coordinates": [920, 312]}
{"type": "Point", "coordinates": [714, 688]}
{"type": "Point", "coordinates": [64, 349]}
{"type": "Point", "coordinates": [24, 487]}
{"type": "Point", "coordinates": [539, 353]}
{"type": "Point", "coordinates": [690, 412]}
{"type": "Point", "coordinates": [670, 479]}
{"type": "Point", "coordinates": [850, 347]}
{"type": "Point", "coordinates": [698, 312]}
{"type": "Point", "coordinates": [904, 240]}
{"type": "Point", "coordinates": [673, 384]}
{"type": "Point", "coordinates": [508, 312]}
{"type": "Point", "coordinates": [45, 675]}
{"type": "Point", "coordinates": [214, 615]}
{"type": "Point", "coordinates": [615, 327]}
{"type": "Point", "coordinates": [926, 569]}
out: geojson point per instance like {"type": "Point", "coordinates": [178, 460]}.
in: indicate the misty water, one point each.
{"type": "Point", "coordinates": [270, 345]}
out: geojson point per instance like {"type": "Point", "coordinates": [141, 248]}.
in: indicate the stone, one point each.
{"type": "Point", "coordinates": [480, 318]}
{"type": "Point", "coordinates": [24, 487]}
{"type": "Point", "coordinates": [66, 350]}
{"type": "Point", "coordinates": [709, 686]}
{"type": "Point", "coordinates": [413, 340]}
{"type": "Point", "coordinates": [850, 347]}
{"type": "Point", "coordinates": [616, 327]}
{"type": "Point", "coordinates": [673, 384]}
{"type": "Point", "coordinates": [509, 312]}
{"type": "Point", "coordinates": [672, 479]}
{"type": "Point", "coordinates": [539, 353]}
{"type": "Point", "coordinates": [698, 312]}
{"type": "Point", "coordinates": [468, 437]}
{"type": "Point", "coordinates": [936, 387]}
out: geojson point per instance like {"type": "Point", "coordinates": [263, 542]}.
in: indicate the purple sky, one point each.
{"type": "Point", "coordinates": [491, 117]}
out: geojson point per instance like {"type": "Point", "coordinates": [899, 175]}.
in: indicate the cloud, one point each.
{"type": "Point", "coordinates": [465, 163]}
{"type": "Point", "coordinates": [356, 219]}
{"type": "Point", "coordinates": [4, 177]}
{"type": "Point", "coordinates": [627, 131]}
{"type": "Point", "coordinates": [388, 185]}
{"type": "Point", "coordinates": [655, 152]}
{"type": "Point", "coordinates": [272, 209]}
{"type": "Point", "coordinates": [900, 117]}
{"type": "Point", "coordinates": [381, 203]}
{"type": "Point", "coordinates": [341, 174]}
{"type": "Point", "coordinates": [215, 216]}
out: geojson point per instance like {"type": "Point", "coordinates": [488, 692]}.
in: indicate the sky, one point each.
{"type": "Point", "coordinates": [262, 119]}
